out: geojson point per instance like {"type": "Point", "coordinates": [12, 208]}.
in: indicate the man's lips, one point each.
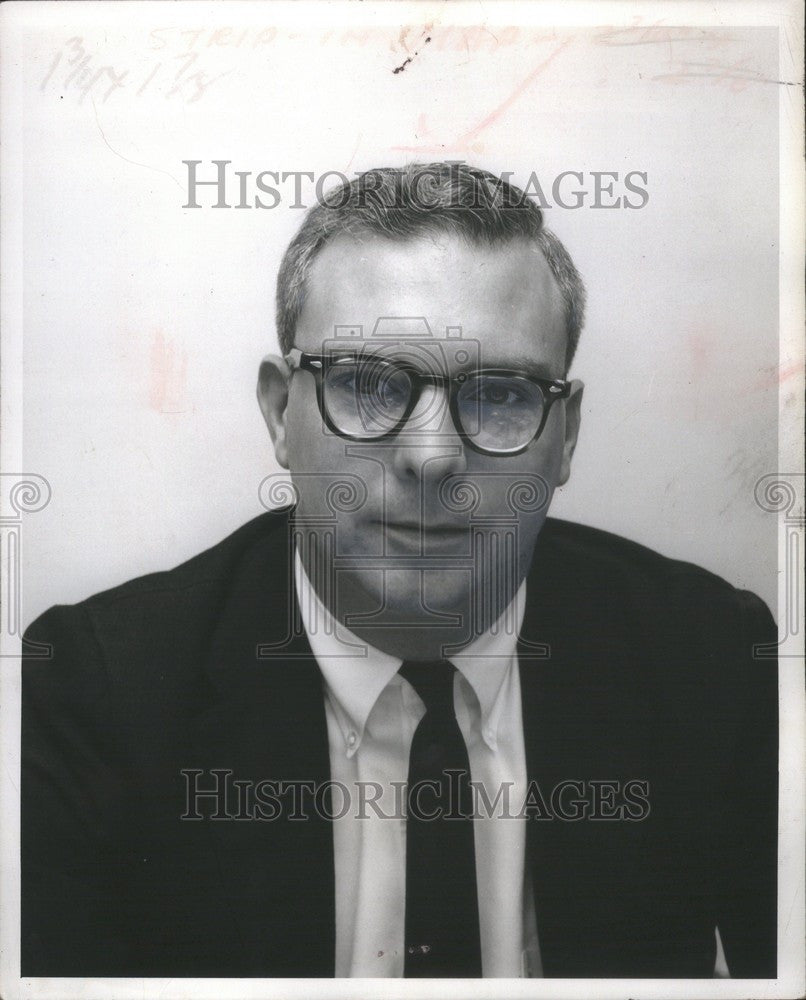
{"type": "Point", "coordinates": [379, 537]}
{"type": "Point", "coordinates": [414, 535]}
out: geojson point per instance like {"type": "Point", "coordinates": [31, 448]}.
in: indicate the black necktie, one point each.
{"type": "Point", "coordinates": [442, 910]}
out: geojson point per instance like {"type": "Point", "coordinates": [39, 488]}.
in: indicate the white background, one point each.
{"type": "Point", "coordinates": [145, 322]}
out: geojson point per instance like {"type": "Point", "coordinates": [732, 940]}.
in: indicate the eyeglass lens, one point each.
{"type": "Point", "coordinates": [367, 399]}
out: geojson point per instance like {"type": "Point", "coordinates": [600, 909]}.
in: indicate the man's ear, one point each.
{"type": "Point", "coordinates": [272, 396]}
{"type": "Point", "coordinates": [573, 416]}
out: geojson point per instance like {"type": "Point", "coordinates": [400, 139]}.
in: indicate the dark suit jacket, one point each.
{"type": "Point", "coordinates": [650, 676]}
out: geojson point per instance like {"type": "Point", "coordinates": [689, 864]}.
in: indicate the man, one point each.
{"type": "Point", "coordinates": [408, 726]}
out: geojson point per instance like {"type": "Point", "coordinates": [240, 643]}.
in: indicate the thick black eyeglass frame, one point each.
{"type": "Point", "coordinates": [317, 364]}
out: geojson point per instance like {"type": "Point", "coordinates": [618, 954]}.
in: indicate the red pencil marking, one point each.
{"type": "Point", "coordinates": [463, 142]}
{"type": "Point", "coordinates": [168, 371]}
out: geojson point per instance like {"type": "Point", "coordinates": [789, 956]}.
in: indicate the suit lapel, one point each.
{"type": "Point", "coordinates": [569, 736]}
{"type": "Point", "coordinates": [606, 894]}
{"type": "Point", "coordinates": [539, 664]}
{"type": "Point", "coordinates": [266, 723]}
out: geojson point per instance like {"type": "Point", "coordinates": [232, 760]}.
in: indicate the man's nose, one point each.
{"type": "Point", "coordinates": [429, 447]}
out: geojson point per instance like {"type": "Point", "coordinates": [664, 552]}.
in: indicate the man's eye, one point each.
{"type": "Point", "coordinates": [370, 385]}
{"type": "Point", "coordinates": [342, 379]}
{"type": "Point", "coordinates": [384, 385]}
{"type": "Point", "coordinates": [491, 393]}
{"type": "Point", "coordinates": [498, 394]}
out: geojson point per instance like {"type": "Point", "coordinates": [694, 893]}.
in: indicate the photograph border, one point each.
{"type": "Point", "coordinates": [780, 492]}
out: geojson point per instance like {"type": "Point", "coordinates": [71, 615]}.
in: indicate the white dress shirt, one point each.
{"type": "Point", "coordinates": [372, 713]}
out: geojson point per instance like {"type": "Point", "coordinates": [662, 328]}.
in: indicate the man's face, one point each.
{"type": "Point", "coordinates": [434, 528]}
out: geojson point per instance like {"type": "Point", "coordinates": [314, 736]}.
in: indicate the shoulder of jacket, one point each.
{"type": "Point", "coordinates": [595, 551]}
{"type": "Point", "coordinates": [632, 582]}
{"type": "Point", "coordinates": [206, 568]}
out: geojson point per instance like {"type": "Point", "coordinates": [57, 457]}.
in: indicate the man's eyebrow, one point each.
{"type": "Point", "coordinates": [521, 362]}
{"type": "Point", "coordinates": [524, 363]}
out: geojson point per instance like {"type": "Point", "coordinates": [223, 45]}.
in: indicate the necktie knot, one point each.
{"type": "Point", "coordinates": [433, 682]}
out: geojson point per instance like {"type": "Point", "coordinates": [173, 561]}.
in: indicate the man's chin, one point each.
{"type": "Point", "coordinates": [436, 600]}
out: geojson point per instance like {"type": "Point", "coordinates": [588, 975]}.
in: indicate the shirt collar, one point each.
{"type": "Point", "coordinates": [356, 673]}
{"type": "Point", "coordinates": [487, 663]}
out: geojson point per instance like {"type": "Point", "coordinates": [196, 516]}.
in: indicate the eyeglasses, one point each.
{"type": "Point", "coordinates": [368, 397]}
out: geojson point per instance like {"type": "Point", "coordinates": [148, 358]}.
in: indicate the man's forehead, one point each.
{"type": "Point", "coordinates": [501, 299]}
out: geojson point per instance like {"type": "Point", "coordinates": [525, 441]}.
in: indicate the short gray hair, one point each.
{"type": "Point", "coordinates": [424, 198]}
